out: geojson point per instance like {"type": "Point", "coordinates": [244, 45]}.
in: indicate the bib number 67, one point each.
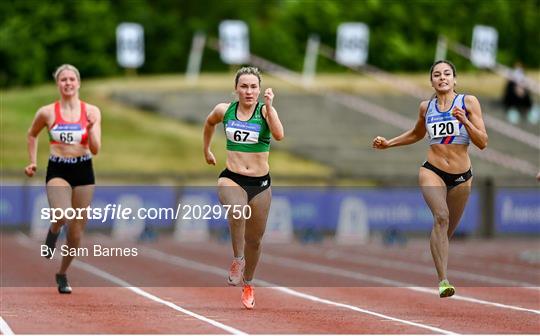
{"type": "Point", "coordinates": [238, 135]}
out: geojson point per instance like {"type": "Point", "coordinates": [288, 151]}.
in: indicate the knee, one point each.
{"type": "Point", "coordinates": [441, 218]}
{"type": "Point", "coordinates": [236, 222]}
{"type": "Point", "coordinates": [59, 222]}
{"type": "Point", "coordinates": [253, 243]}
{"type": "Point", "coordinates": [74, 235]}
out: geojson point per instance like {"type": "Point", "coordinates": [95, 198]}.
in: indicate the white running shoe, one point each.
{"type": "Point", "coordinates": [236, 272]}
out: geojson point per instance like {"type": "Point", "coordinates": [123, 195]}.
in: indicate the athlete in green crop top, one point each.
{"type": "Point", "coordinates": [251, 136]}
{"type": "Point", "coordinates": [246, 180]}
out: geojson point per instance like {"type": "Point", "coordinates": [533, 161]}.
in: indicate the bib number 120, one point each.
{"type": "Point", "coordinates": [444, 129]}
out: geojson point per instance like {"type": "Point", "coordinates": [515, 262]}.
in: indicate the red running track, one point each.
{"type": "Point", "coordinates": [178, 288]}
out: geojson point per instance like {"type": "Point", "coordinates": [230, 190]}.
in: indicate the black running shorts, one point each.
{"type": "Point", "coordinates": [451, 180]}
{"type": "Point", "coordinates": [77, 171]}
{"type": "Point", "coordinates": [253, 185]}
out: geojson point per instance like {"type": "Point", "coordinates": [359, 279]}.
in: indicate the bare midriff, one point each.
{"type": "Point", "coordinates": [72, 150]}
{"type": "Point", "coordinates": [248, 164]}
{"type": "Point", "coordinates": [453, 159]}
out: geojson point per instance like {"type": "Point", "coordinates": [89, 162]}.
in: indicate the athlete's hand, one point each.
{"type": "Point", "coordinates": [30, 170]}
{"type": "Point", "coordinates": [91, 121]}
{"type": "Point", "coordinates": [90, 124]}
{"type": "Point", "coordinates": [268, 96]}
{"type": "Point", "coordinates": [210, 158]}
{"type": "Point", "coordinates": [459, 114]}
{"type": "Point", "coordinates": [380, 142]}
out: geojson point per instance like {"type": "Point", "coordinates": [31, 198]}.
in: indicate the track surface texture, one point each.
{"type": "Point", "coordinates": [180, 288]}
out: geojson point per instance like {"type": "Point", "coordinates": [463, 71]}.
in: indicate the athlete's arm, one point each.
{"type": "Point", "coordinates": [473, 122]}
{"type": "Point", "coordinates": [214, 118]}
{"type": "Point", "coordinates": [271, 116]}
{"type": "Point", "coordinates": [39, 122]}
{"type": "Point", "coordinates": [411, 136]}
{"type": "Point", "coordinates": [94, 129]}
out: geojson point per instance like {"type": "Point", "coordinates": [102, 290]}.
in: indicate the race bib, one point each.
{"type": "Point", "coordinates": [441, 126]}
{"type": "Point", "coordinates": [242, 132]}
{"type": "Point", "coordinates": [67, 133]}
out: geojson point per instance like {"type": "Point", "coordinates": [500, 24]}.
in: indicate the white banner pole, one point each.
{"type": "Point", "coordinates": [195, 57]}
{"type": "Point", "coordinates": [310, 59]}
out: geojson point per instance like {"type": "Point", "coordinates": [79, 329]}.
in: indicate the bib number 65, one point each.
{"type": "Point", "coordinates": [66, 137]}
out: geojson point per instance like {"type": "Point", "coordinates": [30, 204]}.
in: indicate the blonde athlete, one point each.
{"type": "Point", "coordinates": [246, 180]}
{"type": "Point", "coordinates": [452, 121]}
{"type": "Point", "coordinates": [75, 134]}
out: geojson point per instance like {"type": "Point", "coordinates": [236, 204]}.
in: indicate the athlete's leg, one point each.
{"type": "Point", "coordinates": [255, 226]}
{"type": "Point", "coordinates": [456, 201]}
{"type": "Point", "coordinates": [230, 193]}
{"type": "Point", "coordinates": [81, 198]}
{"type": "Point", "coordinates": [59, 196]}
{"type": "Point", "coordinates": [434, 192]}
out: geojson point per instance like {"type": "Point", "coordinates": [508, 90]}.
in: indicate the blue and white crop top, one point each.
{"type": "Point", "coordinates": [443, 128]}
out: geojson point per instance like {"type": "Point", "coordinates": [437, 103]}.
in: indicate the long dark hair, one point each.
{"type": "Point", "coordinates": [439, 62]}
{"type": "Point", "coordinates": [433, 67]}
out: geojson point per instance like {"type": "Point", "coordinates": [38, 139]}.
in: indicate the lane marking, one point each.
{"type": "Point", "coordinates": [96, 271]}
{"type": "Point", "coordinates": [291, 263]}
{"type": "Point", "coordinates": [459, 256]}
{"type": "Point", "coordinates": [4, 327]}
{"type": "Point", "coordinates": [179, 261]}
{"type": "Point", "coordinates": [413, 267]}
{"type": "Point", "coordinates": [27, 242]}
{"type": "Point", "coordinates": [343, 305]}
{"type": "Point", "coordinates": [360, 276]}
{"type": "Point", "coordinates": [348, 274]}
{"type": "Point", "coordinates": [296, 264]}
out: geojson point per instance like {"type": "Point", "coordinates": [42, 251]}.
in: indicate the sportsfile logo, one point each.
{"type": "Point", "coordinates": [120, 212]}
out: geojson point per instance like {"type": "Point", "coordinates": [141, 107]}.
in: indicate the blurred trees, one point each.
{"type": "Point", "coordinates": [38, 35]}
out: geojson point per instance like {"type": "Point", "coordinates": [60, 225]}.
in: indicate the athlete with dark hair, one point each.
{"type": "Point", "coordinates": [452, 121]}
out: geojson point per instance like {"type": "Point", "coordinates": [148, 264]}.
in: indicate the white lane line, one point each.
{"type": "Point", "coordinates": [179, 261]}
{"type": "Point", "coordinates": [96, 271]}
{"type": "Point", "coordinates": [4, 327]}
{"type": "Point", "coordinates": [365, 311]}
{"type": "Point", "coordinates": [27, 242]}
{"type": "Point", "coordinates": [419, 253]}
{"type": "Point", "coordinates": [459, 257]}
{"type": "Point", "coordinates": [413, 267]}
{"type": "Point", "coordinates": [291, 263]}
